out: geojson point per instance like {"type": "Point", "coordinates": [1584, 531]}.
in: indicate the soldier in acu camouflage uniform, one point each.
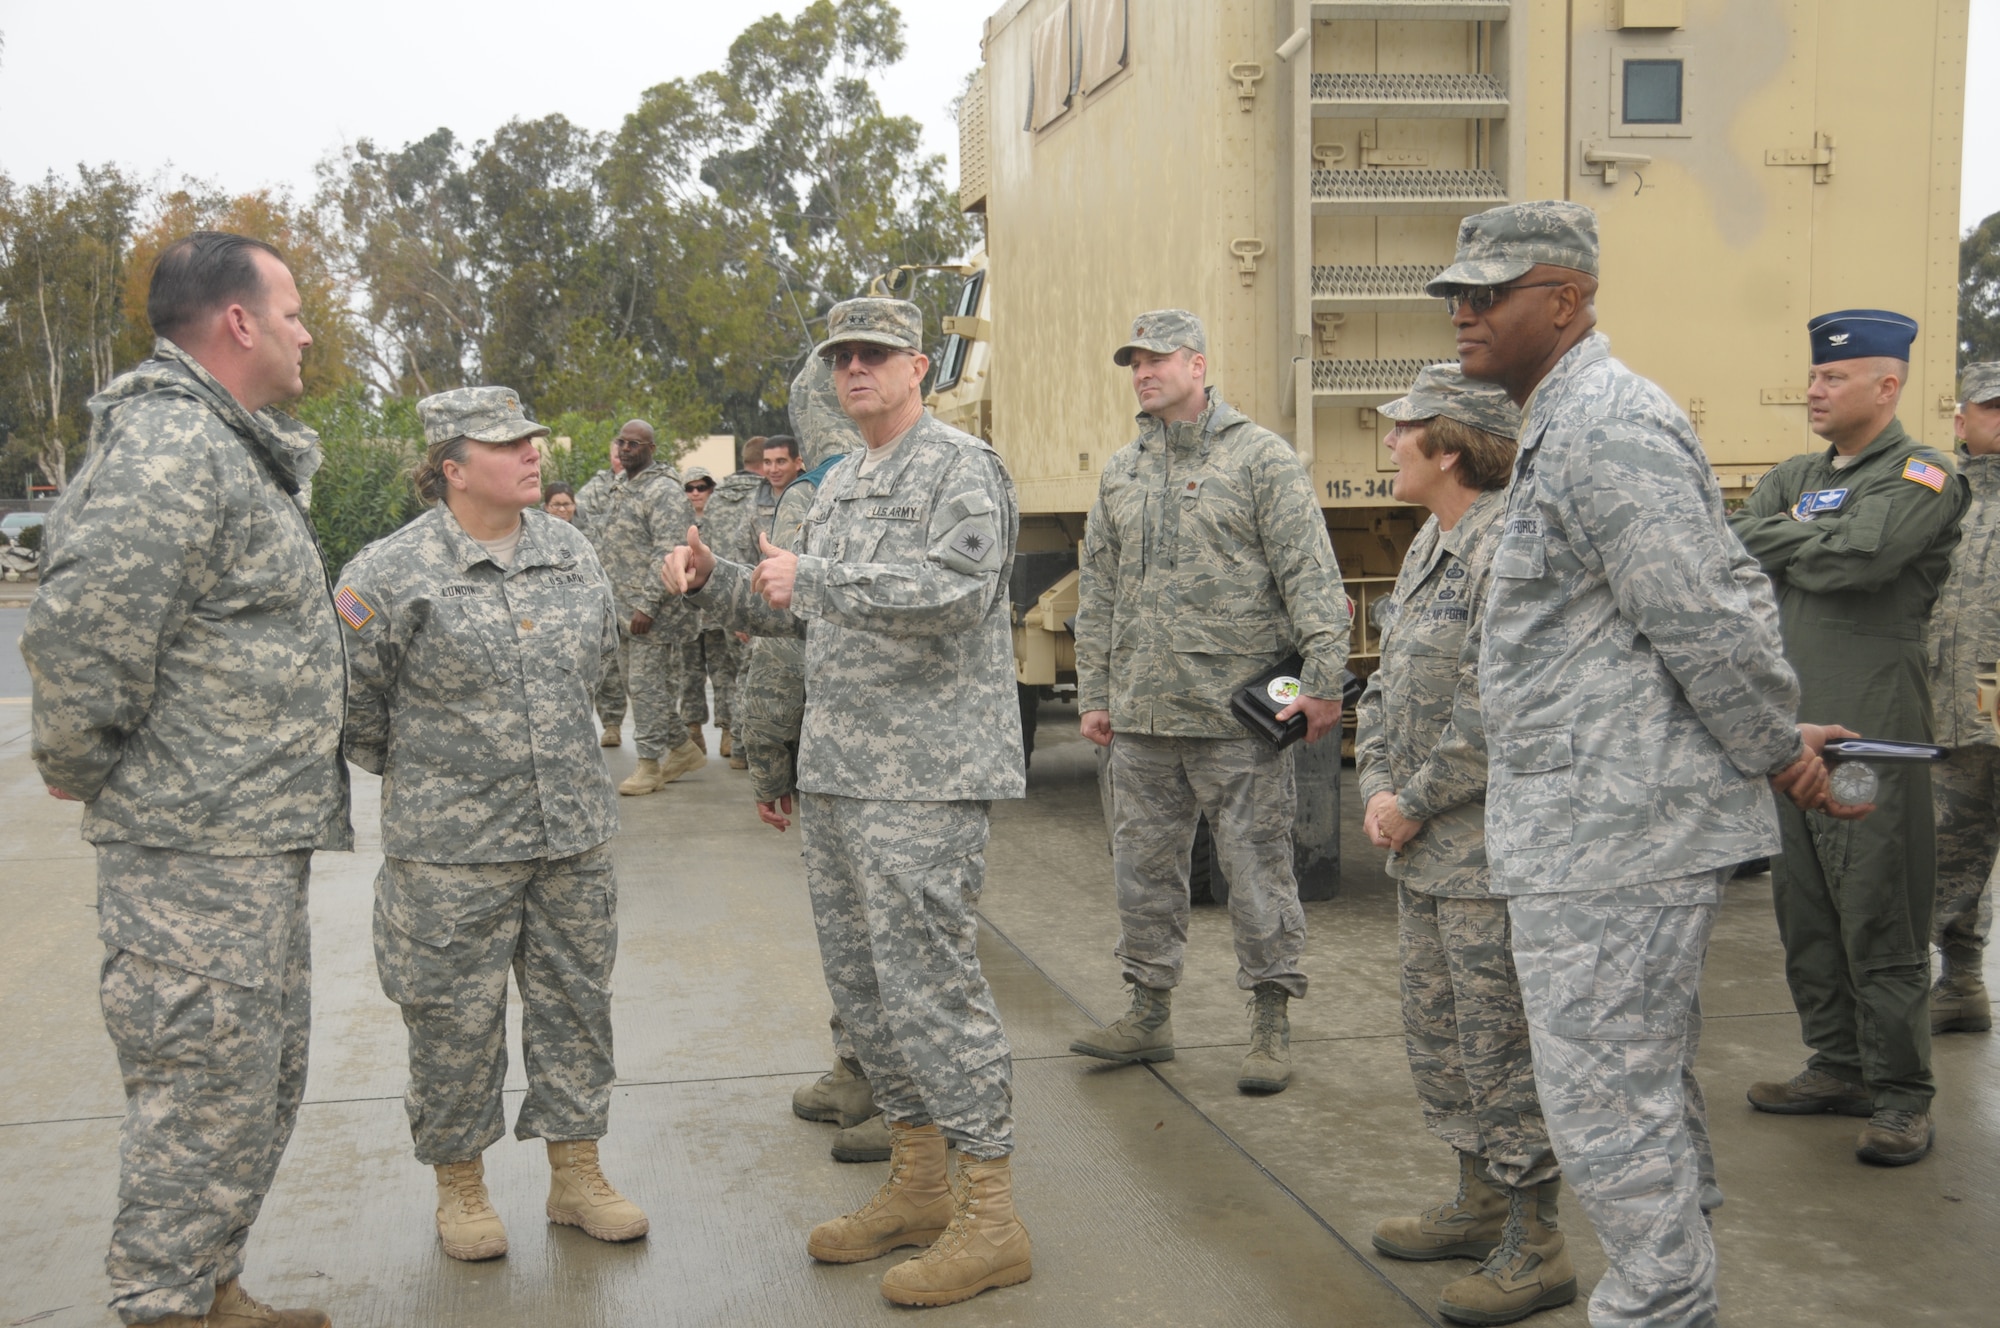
{"type": "Point", "coordinates": [711, 655]}
{"type": "Point", "coordinates": [476, 635]}
{"type": "Point", "coordinates": [909, 732]}
{"type": "Point", "coordinates": [1638, 707]}
{"type": "Point", "coordinates": [645, 513]}
{"type": "Point", "coordinates": [773, 708]}
{"type": "Point", "coordinates": [1421, 752]}
{"type": "Point", "coordinates": [1965, 790]}
{"type": "Point", "coordinates": [1205, 562]}
{"type": "Point", "coordinates": [731, 527]}
{"type": "Point", "coordinates": [187, 679]}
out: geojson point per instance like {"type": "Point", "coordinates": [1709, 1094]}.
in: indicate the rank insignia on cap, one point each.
{"type": "Point", "coordinates": [352, 609]}
{"type": "Point", "coordinates": [1924, 473]}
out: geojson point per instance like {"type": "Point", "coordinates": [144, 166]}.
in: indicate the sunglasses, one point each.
{"type": "Point", "coordinates": [872, 356]}
{"type": "Point", "coordinates": [701, 488]}
{"type": "Point", "coordinates": [1481, 299]}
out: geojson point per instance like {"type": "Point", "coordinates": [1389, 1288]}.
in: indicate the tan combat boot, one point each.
{"type": "Point", "coordinates": [867, 1142]}
{"type": "Point", "coordinates": [1145, 1033]}
{"type": "Point", "coordinates": [1959, 1003]}
{"type": "Point", "coordinates": [579, 1196]}
{"type": "Point", "coordinates": [1896, 1137]}
{"type": "Point", "coordinates": [466, 1222]}
{"type": "Point", "coordinates": [727, 744]}
{"type": "Point", "coordinates": [236, 1308]}
{"type": "Point", "coordinates": [1468, 1227]}
{"type": "Point", "coordinates": [739, 760]}
{"type": "Point", "coordinates": [680, 761]}
{"type": "Point", "coordinates": [645, 779]}
{"type": "Point", "coordinates": [698, 738]}
{"type": "Point", "coordinates": [612, 737]}
{"type": "Point", "coordinates": [841, 1096]}
{"type": "Point", "coordinates": [1810, 1092]}
{"type": "Point", "coordinates": [984, 1247]}
{"type": "Point", "coordinates": [1529, 1270]}
{"type": "Point", "coordinates": [1268, 1067]}
{"type": "Point", "coordinates": [913, 1207]}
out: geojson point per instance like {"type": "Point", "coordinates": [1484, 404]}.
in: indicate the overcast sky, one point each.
{"type": "Point", "coordinates": [98, 80]}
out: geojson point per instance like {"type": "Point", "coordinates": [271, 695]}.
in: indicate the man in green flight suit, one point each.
{"type": "Point", "coordinates": [1857, 541]}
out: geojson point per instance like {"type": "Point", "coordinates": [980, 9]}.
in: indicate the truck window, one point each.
{"type": "Point", "coordinates": [1652, 92]}
{"type": "Point", "coordinates": [951, 360]}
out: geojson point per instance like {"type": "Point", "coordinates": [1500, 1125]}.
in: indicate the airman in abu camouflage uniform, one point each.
{"type": "Point", "coordinates": [1420, 749]}
{"type": "Point", "coordinates": [1206, 561]}
{"type": "Point", "coordinates": [909, 732]}
{"type": "Point", "coordinates": [1965, 790]}
{"type": "Point", "coordinates": [187, 689]}
{"type": "Point", "coordinates": [646, 513]}
{"type": "Point", "coordinates": [475, 637]}
{"type": "Point", "coordinates": [1857, 540]}
{"type": "Point", "coordinates": [1638, 707]}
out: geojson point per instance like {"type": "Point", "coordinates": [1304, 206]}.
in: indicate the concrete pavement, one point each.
{"type": "Point", "coordinates": [1155, 1195]}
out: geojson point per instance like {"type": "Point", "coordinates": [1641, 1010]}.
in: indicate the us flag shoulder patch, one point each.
{"type": "Point", "coordinates": [1924, 473]}
{"type": "Point", "coordinates": [353, 610]}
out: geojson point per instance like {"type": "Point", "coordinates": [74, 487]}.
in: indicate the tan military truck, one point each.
{"type": "Point", "coordinates": [1295, 170]}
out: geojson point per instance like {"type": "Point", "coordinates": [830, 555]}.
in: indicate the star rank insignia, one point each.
{"type": "Point", "coordinates": [972, 544]}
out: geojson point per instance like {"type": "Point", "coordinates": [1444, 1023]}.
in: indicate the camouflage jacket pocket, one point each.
{"type": "Point", "coordinates": [1217, 634]}
{"type": "Point", "coordinates": [1529, 803]}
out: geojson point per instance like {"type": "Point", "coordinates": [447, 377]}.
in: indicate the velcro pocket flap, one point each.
{"type": "Point", "coordinates": [1532, 751]}
{"type": "Point", "coordinates": [197, 942]}
{"type": "Point", "coordinates": [1216, 634]}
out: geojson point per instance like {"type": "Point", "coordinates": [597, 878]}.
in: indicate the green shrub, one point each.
{"type": "Point", "coordinates": [29, 539]}
{"type": "Point", "coordinates": [362, 491]}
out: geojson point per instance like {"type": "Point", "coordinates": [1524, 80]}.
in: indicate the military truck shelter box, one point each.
{"type": "Point", "coordinates": [1294, 170]}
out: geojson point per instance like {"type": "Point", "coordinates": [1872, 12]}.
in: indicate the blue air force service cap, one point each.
{"type": "Point", "coordinates": [1860, 334]}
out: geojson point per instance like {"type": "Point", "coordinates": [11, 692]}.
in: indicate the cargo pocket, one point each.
{"type": "Point", "coordinates": [1532, 779]}
{"type": "Point", "coordinates": [404, 930]}
{"type": "Point", "coordinates": [194, 941]}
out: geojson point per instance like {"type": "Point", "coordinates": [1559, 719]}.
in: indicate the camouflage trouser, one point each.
{"type": "Point", "coordinates": [1610, 985]}
{"type": "Point", "coordinates": [893, 888]}
{"type": "Point", "coordinates": [708, 659]}
{"type": "Point", "coordinates": [1159, 786]}
{"type": "Point", "coordinates": [445, 936]}
{"type": "Point", "coordinates": [1468, 1036]}
{"type": "Point", "coordinates": [653, 673]}
{"type": "Point", "coordinates": [207, 994]}
{"type": "Point", "coordinates": [771, 706]}
{"type": "Point", "coordinates": [1965, 793]}
{"type": "Point", "coordinates": [611, 691]}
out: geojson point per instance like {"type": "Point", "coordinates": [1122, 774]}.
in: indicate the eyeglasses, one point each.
{"type": "Point", "coordinates": [871, 355]}
{"type": "Point", "coordinates": [1481, 299]}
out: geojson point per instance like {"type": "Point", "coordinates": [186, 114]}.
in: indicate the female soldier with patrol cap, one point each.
{"type": "Point", "coordinates": [1420, 749]}
{"type": "Point", "coordinates": [476, 636]}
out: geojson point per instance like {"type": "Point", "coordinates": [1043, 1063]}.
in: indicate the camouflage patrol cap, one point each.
{"type": "Point", "coordinates": [1442, 389]}
{"type": "Point", "coordinates": [694, 473]}
{"type": "Point", "coordinates": [875, 321]}
{"type": "Point", "coordinates": [1500, 244]}
{"type": "Point", "coordinates": [483, 414]}
{"type": "Point", "coordinates": [1163, 331]}
{"type": "Point", "coordinates": [1980, 383]}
